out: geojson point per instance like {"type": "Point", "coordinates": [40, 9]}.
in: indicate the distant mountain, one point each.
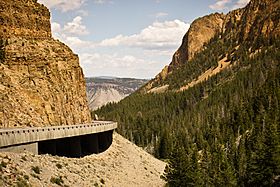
{"type": "Point", "coordinates": [102, 90]}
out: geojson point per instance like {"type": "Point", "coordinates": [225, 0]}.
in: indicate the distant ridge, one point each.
{"type": "Point", "coordinates": [105, 89]}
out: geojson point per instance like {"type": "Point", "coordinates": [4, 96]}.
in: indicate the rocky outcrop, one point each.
{"type": "Point", "coordinates": [41, 82]}
{"type": "Point", "coordinates": [199, 33]}
{"type": "Point", "coordinates": [259, 19]}
{"type": "Point", "coordinates": [24, 18]}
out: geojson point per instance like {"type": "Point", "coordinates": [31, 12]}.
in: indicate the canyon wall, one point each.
{"type": "Point", "coordinates": [41, 81]}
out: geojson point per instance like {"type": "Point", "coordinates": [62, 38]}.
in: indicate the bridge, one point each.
{"type": "Point", "coordinates": [69, 140]}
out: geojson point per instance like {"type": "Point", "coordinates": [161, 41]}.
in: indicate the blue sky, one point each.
{"type": "Point", "coordinates": [127, 38]}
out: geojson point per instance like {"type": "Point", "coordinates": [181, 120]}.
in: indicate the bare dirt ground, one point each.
{"type": "Point", "coordinates": [123, 164]}
{"type": "Point", "coordinates": [222, 64]}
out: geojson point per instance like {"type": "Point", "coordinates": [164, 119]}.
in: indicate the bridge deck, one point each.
{"type": "Point", "coordinates": [16, 136]}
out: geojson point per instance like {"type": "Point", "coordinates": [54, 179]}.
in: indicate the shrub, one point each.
{"type": "Point", "coordinates": [21, 182]}
{"type": "Point", "coordinates": [59, 166]}
{"type": "Point", "coordinates": [102, 181]}
{"type": "Point", "coordinates": [57, 180]}
{"type": "Point", "coordinates": [36, 169]}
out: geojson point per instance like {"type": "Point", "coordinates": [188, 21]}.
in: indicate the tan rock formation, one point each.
{"type": "Point", "coordinates": [41, 82]}
{"type": "Point", "coordinates": [199, 33]}
{"type": "Point", "coordinates": [260, 18]}
{"type": "Point", "coordinates": [24, 18]}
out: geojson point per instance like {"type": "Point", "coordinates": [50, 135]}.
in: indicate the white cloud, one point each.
{"type": "Point", "coordinates": [140, 55]}
{"type": "Point", "coordinates": [117, 65]}
{"type": "Point", "coordinates": [76, 27]}
{"type": "Point", "coordinates": [67, 35]}
{"type": "Point", "coordinates": [220, 5]}
{"type": "Point", "coordinates": [69, 32]}
{"type": "Point", "coordinates": [55, 27]}
{"type": "Point", "coordinates": [163, 35]}
{"type": "Point", "coordinates": [64, 5]}
{"type": "Point", "coordinates": [76, 42]}
{"type": "Point", "coordinates": [241, 4]}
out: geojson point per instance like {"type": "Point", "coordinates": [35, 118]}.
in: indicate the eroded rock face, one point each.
{"type": "Point", "coordinates": [41, 82]}
{"type": "Point", "coordinates": [25, 18]}
{"type": "Point", "coordinates": [199, 33]}
{"type": "Point", "coordinates": [260, 18]}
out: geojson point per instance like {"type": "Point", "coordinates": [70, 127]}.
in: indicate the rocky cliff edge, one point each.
{"type": "Point", "coordinates": [41, 82]}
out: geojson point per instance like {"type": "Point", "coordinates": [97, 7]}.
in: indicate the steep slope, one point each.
{"type": "Point", "coordinates": [101, 91]}
{"type": "Point", "coordinates": [199, 33]}
{"type": "Point", "coordinates": [41, 81]}
{"type": "Point", "coordinates": [222, 127]}
{"type": "Point", "coordinates": [259, 19]}
{"type": "Point", "coordinates": [123, 164]}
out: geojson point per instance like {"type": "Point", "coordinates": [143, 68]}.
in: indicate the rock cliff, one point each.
{"type": "Point", "coordinates": [24, 18]}
{"type": "Point", "coordinates": [41, 82]}
{"type": "Point", "coordinates": [260, 18]}
{"type": "Point", "coordinates": [199, 33]}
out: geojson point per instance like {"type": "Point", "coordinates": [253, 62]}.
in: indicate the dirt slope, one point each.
{"type": "Point", "coordinates": [222, 64]}
{"type": "Point", "coordinates": [123, 164]}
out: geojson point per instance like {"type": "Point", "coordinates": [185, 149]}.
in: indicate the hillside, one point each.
{"type": "Point", "coordinates": [102, 90]}
{"type": "Point", "coordinates": [216, 116]}
{"type": "Point", "coordinates": [123, 164]}
{"type": "Point", "coordinates": [241, 26]}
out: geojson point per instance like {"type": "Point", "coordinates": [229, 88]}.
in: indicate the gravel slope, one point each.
{"type": "Point", "coordinates": [123, 164]}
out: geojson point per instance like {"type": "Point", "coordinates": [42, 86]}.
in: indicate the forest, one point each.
{"type": "Point", "coordinates": [220, 132]}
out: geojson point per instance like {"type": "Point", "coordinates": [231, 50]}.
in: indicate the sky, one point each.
{"type": "Point", "coordinates": [127, 38]}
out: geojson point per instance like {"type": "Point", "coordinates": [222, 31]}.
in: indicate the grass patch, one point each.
{"type": "Point", "coordinates": [57, 180]}
{"type": "Point", "coordinates": [35, 176]}
{"type": "Point", "coordinates": [59, 166]}
{"type": "Point", "coordinates": [22, 182]}
{"type": "Point", "coordinates": [36, 169]}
